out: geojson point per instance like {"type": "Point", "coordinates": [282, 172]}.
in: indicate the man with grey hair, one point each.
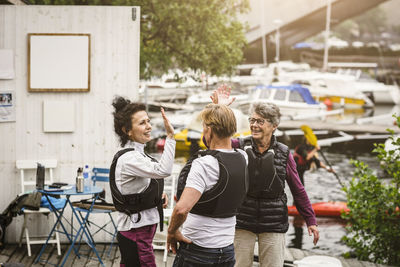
{"type": "Point", "coordinates": [263, 215]}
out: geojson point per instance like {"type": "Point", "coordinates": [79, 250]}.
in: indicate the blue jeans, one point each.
{"type": "Point", "coordinates": [191, 255]}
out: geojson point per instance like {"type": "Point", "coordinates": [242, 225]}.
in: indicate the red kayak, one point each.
{"type": "Point", "coordinates": [324, 209]}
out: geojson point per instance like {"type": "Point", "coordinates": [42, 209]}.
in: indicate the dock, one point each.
{"type": "Point", "coordinates": [12, 253]}
{"type": "Point", "coordinates": [348, 128]}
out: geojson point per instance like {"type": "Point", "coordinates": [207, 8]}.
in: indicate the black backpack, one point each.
{"type": "Point", "coordinates": [31, 201]}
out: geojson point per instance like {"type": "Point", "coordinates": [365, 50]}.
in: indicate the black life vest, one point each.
{"type": "Point", "coordinates": [226, 196]}
{"type": "Point", "coordinates": [262, 172]}
{"type": "Point", "coordinates": [135, 203]}
{"type": "Point", "coordinates": [266, 211]}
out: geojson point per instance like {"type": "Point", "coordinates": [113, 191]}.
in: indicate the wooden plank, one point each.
{"type": "Point", "coordinates": [28, 261]}
{"type": "Point", "coordinates": [108, 260]}
{"type": "Point", "coordinates": [17, 255]}
{"type": "Point", "coordinates": [93, 260]}
{"type": "Point", "coordinates": [117, 259]}
{"type": "Point", "coordinates": [70, 258]}
{"type": "Point", "coordinates": [9, 249]}
{"type": "Point", "coordinates": [45, 256]}
{"type": "Point", "coordinates": [84, 251]}
{"type": "Point", "coordinates": [54, 258]}
{"type": "Point", "coordinates": [7, 252]}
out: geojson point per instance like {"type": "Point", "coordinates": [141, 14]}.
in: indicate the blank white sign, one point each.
{"type": "Point", "coordinates": [59, 62]}
{"type": "Point", "coordinates": [58, 116]}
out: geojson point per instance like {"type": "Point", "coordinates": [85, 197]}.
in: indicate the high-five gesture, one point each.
{"type": "Point", "coordinates": [222, 95]}
{"type": "Point", "coordinates": [168, 126]}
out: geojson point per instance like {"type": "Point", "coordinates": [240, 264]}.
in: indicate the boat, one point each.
{"type": "Point", "coordinates": [338, 93]}
{"type": "Point", "coordinates": [324, 209]}
{"type": "Point", "coordinates": [378, 92]}
{"type": "Point", "coordinates": [292, 99]}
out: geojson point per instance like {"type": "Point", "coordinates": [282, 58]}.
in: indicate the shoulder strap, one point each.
{"type": "Point", "coordinates": [186, 169]}
{"type": "Point", "coordinates": [220, 186]}
{"type": "Point", "coordinates": [116, 194]}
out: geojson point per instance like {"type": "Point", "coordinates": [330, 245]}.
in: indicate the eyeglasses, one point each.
{"type": "Point", "coordinates": [259, 121]}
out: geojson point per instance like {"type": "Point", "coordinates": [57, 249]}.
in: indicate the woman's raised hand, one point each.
{"type": "Point", "coordinates": [168, 126]}
{"type": "Point", "coordinates": [221, 95]}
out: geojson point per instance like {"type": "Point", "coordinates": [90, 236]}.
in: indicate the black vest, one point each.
{"type": "Point", "coordinates": [135, 203]}
{"type": "Point", "coordinates": [226, 196]}
{"type": "Point", "coordinates": [265, 210]}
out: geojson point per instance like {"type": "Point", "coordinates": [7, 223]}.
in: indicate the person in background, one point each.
{"type": "Point", "coordinates": [263, 216]}
{"type": "Point", "coordinates": [215, 188]}
{"type": "Point", "coordinates": [305, 156]}
{"type": "Point", "coordinates": [135, 175]}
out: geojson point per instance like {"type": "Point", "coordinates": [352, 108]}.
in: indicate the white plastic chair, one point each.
{"type": "Point", "coordinates": [160, 242]}
{"type": "Point", "coordinates": [31, 165]}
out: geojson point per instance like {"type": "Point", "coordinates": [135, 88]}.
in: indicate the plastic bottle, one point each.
{"type": "Point", "coordinates": [86, 177]}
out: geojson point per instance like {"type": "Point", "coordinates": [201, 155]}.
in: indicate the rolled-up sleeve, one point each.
{"type": "Point", "coordinates": [300, 196]}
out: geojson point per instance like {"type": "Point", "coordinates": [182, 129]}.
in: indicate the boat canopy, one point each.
{"type": "Point", "coordinates": [303, 91]}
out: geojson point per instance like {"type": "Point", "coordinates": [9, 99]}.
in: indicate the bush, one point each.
{"type": "Point", "coordinates": [374, 217]}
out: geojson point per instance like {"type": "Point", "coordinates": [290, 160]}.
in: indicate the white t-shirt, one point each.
{"type": "Point", "coordinates": [201, 230]}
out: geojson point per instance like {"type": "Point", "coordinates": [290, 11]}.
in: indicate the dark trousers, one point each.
{"type": "Point", "coordinates": [136, 247]}
{"type": "Point", "coordinates": [191, 255]}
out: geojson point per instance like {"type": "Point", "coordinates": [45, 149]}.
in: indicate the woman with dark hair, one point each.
{"type": "Point", "coordinates": [136, 182]}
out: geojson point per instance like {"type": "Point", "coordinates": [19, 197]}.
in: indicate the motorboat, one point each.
{"type": "Point", "coordinates": [293, 100]}
{"type": "Point", "coordinates": [350, 81]}
{"type": "Point", "coordinates": [339, 93]}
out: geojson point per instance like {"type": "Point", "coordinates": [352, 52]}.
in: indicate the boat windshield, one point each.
{"type": "Point", "coordinates": [265, 94]}
{"type": "Point", "coordinates": [280, 94]}
{"type": "Point", "coordinates": [295, 97]}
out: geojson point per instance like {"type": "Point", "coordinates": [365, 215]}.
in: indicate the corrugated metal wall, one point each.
{"type": "Point", "coordinates": [114, 71]}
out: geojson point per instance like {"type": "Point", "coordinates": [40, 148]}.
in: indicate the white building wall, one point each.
{"type": "Point", "coordinates": [114, 71]}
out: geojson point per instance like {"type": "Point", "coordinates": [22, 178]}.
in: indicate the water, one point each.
{"type": "Point", "coordinates": [323, 186]}
{"type": "Point", "coordinates": [320, 186]}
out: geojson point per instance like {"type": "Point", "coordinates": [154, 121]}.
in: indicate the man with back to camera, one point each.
{"type": "Point", "coordinates": [215, 187]}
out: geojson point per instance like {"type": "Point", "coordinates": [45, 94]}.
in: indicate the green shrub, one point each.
{"type": "Point", "coordinates": [374, 217]}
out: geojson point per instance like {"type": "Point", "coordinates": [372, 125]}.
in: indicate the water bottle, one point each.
{"type": "Point", "coordinates": [86, 177]}
{"type": "Point", "coordinates": [79, 181]}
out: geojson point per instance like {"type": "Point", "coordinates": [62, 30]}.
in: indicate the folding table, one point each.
{"type": "Point", "coordinates": [83, 230]}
